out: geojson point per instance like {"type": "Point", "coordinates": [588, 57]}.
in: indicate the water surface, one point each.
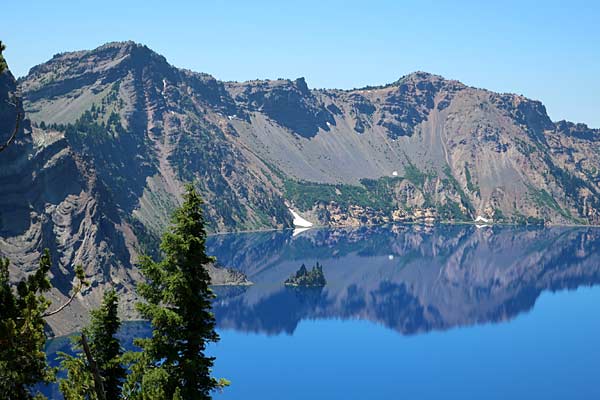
{"type": "Point", "coordinates": [451, 312]}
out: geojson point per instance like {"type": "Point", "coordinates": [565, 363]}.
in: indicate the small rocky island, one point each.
{"type": "Point", "coordinates": [221, 276]}
{"type": "Point", "coordinates": [304, 277]}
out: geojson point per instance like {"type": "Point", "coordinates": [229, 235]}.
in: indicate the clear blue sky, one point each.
{"type": "Point", "coordinates": [547, 50]}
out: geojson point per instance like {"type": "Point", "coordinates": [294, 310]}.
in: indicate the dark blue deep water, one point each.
{"type": "Point", "coordinates": [452, 312]}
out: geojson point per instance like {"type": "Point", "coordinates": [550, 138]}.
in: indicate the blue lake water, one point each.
{"type": "Point", "coordinates": [410, 312]}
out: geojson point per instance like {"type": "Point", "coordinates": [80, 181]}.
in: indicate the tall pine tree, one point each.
{"type": "Point", "coordinates": [104, 345]}
{"type": "Point", "coordinates": [105, 351]}
{"type": "Point", "coordinates": [22, 336]}
{"type": "Point", "coordinates": [173, 363]}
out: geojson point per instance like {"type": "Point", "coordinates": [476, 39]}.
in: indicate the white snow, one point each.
{"type": "Point", "coordinates": [299, 221]}
{"type": "Point", "coordinates": [298, 231]}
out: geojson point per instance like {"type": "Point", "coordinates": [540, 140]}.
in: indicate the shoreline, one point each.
{"type": "Point", "coordinates": [505, 224]}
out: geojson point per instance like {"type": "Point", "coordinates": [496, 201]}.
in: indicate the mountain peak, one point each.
{"type": "Point", "coordinates": [422, 76]}
{"type": "Point", "coordinates": [127, 48]}
{"type": "Point", "coordinates": [107, 63]}
{"type": "Point", "coordinates": [120, 44]}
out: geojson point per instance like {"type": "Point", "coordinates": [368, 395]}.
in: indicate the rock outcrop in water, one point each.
{"type": "Point", "coordinates": [221, 276]}
{"type": "Point", "coordinates": [307, 278]}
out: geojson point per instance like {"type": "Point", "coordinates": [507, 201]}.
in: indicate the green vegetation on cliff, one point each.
{"type": "Point", "coordinates": [374, 193]}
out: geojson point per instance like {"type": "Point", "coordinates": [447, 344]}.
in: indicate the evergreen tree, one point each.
{"type": "Point", "coordinates": [13, 135]}
{"type": "Point", "coordinates": [22, 336]}
{"type": "Point", "coordinates": [106, 352]}
{"type": "Point", "coordinates": [104, 345]}
{"type": "Point", "coordinates": [79, 383]}
{"type": "Point", "coordinates": [3, 65]}
{"type": "Point", "coordinates": [304, 277]}
{"type": "Point", "coordinates": [173, 363]}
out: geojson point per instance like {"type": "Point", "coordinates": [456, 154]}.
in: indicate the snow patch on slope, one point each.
{"type": "Point", "coordinates": [299, 221]}
{"type": "Point", "coordinates": [482, 219]}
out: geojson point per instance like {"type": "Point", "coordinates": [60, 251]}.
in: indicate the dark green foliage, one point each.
{"type": "Point", "coordinates": [88, 126]}
{"type": "Point", "coordinates": [22, 338]}
{"type": "Point", "coordinates": [106, 351]}
{"type": "Point", "coordinates": [521, 219]}
{"type": "Point", "coordinates": [381, 191]}
{"type": "Point", "coordinates": [207, 157]}
{"type": "Point", "coordinates": [105, 347]}
{"type": "Point", "coordinates": [530, 220]}
{"type": "Point", "coordinates": [543, 198]}
{"type": "Point", "coordinates": [499, 215]}
{"type": "Point", "coordinates": [148, 240]}
{"type": "Point", "coordinates": [22, 334]}
{"type": "Point", "coordinates": [79, 383]}
{"type": "Point", "coordinates": [108, 147]}
{"type": "Point", "coordinates": [572, 186]}
{"type": "Point", "coordinates": [3, 65]}
{"type": "Point", "coordinates": [451, 210]}
{"type": "Point", "coordinates": [177, 302]}
{"type": "Point", "coordinates": [527, 148]}
{"type": "Point", "coordinates": [306, 194]}
{"type": "Point", "coordinates": [377, 194]}
{"type": "Point", "coordinates": [413, 174]}
{"type": "Point", "coordinates": [304, 277]}
{"type": "Point", "coordinates": [470, 185]}
{"type": "Point", "coordinates": [112, 97]}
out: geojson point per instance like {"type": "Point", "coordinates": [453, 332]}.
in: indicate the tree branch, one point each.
{"type": "Point", "coordinates": [82, 282]}
{"type": "Point", "coordinates": [14, 134]}
{"type": "Point", "coordinates": [99, 387]}
{"type": "Point", "coordinates": [59, 309]}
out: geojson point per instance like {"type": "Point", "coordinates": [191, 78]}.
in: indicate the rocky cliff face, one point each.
{"type": "Point", "coordinates": [112, 134]}
{"type": "Point", "coordinates": [421, 147]}
{"type": "Point", "coordinates": [52, 198]}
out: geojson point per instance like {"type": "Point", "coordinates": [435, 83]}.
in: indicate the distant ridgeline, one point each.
{"type": "Point", "coordinates": [304, 277]}
{"type": "Point", "coordinates": [422, 148]}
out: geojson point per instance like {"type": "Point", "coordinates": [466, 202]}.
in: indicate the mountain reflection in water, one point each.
{"type": "Point", "coordinates": [411, 279]}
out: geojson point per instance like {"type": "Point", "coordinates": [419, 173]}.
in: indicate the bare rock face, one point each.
{"type": "Point", "coordinates": [147, 126]}
{"type": "Point", "coordinates": [111, 135]}
{"type": "Point", "coordinates": [289, 103]}
{"type": "Point", "coordinates": [51, 198]}
{"type": "Point", "coordinates": [221, 276]}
